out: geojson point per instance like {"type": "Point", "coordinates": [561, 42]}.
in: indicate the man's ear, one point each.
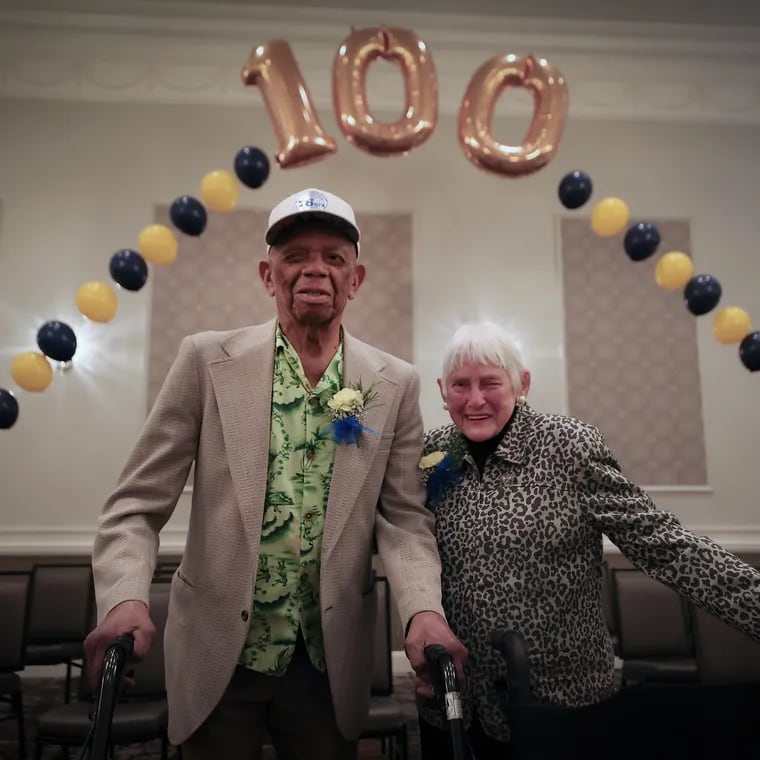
{"type": "Point", "coordinates": [265, 272]}
{"type": "Point", "coordinates": [359, 274]}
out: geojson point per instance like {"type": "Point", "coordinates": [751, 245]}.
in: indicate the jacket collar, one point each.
{"type": "Point", "coordinates": [514, 445]}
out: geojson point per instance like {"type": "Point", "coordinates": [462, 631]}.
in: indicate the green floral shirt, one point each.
{"type": "Point", "coordinates": [286, 594]}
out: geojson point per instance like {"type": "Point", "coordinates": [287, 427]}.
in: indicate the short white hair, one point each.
{"type": "Point", "coordinates": [484, 343]}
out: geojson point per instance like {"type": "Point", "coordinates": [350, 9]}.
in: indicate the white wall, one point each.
{"type": "Point", "coordinates": [79, 181]}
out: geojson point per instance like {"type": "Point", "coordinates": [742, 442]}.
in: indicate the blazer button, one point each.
{"type": "Point", "coordinates": [244, 616]}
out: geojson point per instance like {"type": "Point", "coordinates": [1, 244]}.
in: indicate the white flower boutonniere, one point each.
{"type": "Point", "coordinates": [349, 406]}
{"type": "Point", "coordinates": [347, 402]}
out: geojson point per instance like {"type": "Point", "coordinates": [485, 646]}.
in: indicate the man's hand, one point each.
{"type": "Point", "coordinates": [129, 617]}
{"type": "Point", "coordinates": [425, 628]}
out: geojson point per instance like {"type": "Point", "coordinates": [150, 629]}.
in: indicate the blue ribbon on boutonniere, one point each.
{"type": "Point", "coordinates": [439, 471]}
{"type": "Point", "coordinates": [346, 430]}
{"type": "Point", "coordinates": [348, 406]}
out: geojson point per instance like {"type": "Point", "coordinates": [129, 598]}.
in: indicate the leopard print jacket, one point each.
{"type": "Point", "coordinates": [521, 549]}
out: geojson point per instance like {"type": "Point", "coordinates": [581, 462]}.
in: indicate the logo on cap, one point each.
{"type": "Point", "coordinates": [311, 201]}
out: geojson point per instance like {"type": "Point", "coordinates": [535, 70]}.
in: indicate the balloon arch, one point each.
{"type": "Point", "coordinates": [302, 139]}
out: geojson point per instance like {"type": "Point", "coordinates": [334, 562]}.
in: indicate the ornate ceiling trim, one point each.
{"type": "Point", "coordinates": [164, 52]}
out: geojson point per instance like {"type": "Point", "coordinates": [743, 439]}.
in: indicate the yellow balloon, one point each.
{"type": "Point", "coordinates": [31, 371]}
{"type": "Point", "coordinates": [674, 269]}
{"type": "Point", "coordinates": [97, 301]}
{"type": "Point", "coordinates": [157, 244]}
{"type": "Point", "coordinates": [219, 191]}
{"type": "Point", "coordinates": [609, 217]}
{"type": "Point", "coordinates": [731, 324]}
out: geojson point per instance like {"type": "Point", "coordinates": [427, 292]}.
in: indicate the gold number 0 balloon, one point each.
{"type": "Point", "coordinates": [549, 114]}
{"type": "Point", "coordinates": [301, 138]}
{"type": "Point", "coordinates": [355, 54]}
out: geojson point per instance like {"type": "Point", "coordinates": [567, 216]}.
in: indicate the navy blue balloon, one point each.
{"type": "Point", "coordinates": [8, 409]}
{"type": "Point", "coordinates": [575, 189]}
{"type": "Point", "coordinates": [749, 351]}
{"type": "Point", "coordinates": [252, 166]}
{"type": "Point", "coordinates": [57, 341]}
{"type": "Point", "coordinates": [702, 294]}
{"type": "Point", "coordinates": [188, 215]}
{"type": "Point", "coordinates": [641, 241]}
{"type": "Point", "coordinates": [128, 269]}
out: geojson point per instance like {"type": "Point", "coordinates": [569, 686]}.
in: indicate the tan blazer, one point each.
{"type": "Point", "coordinates": [214, 409]}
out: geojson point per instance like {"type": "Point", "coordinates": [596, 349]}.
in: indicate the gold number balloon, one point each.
{"type": "Point", "coordinates": [355, 54]}
{"type": "Point", "coordinates": [550, 97]}
{"type": "Point", "coordinates": [301, 137]}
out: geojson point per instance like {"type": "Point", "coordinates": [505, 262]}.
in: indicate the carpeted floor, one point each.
{"type": "Point", "coordinates": [41, 694]}
{"type": "Point", "coordinates": [721, 719]}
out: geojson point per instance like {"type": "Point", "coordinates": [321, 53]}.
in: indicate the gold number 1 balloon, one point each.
{"type": "Point", "coordinates": [301, 137]}
{"type": "Point", "coordinates": [355, 54]}
{"type": "Point", "coordinates": [476, 114]}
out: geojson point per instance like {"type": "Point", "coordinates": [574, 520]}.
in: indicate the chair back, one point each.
{"type": "Point", "coordinates": [166, 569]}
{"type": "Point", "coordinates": [652, 619]}
{"type": "Point", "coordinates": [724, 655]}
{"type": "Point", "coordinates": [382, 666]}
{"type": "Point", "coordinates": [14, 602]}
{"type": "Point", "coordinates": [61, 605]}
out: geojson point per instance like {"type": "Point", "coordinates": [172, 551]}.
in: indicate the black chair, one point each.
{"type": "Point", "coordinates": [724, 655]}
{"type": "Point", "coordinates": [14, 602]}
{"type": "Point", "coordinates": [655, 722]}
{"type": "Point", "coordinates": [141, 713]}
{"type": "Point", "coordinates": [165, 569]}
{"type": "Point", "coordinates": [60, 617]}
{"type": "Point", "coordinates": [729, 671]}
{"type": "Point", "coordinates": [386, 720]}
{"type": "Point", "coordinates": [653, 628]}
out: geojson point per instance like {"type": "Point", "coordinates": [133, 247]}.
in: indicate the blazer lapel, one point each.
{"type": "Point", "coordinates": [242, 384]}
{"type": "Point", "coordinates": [352, 463]}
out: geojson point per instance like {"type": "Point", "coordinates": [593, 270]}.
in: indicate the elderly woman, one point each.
{"type": "Point", "coordinates": [522, 500]}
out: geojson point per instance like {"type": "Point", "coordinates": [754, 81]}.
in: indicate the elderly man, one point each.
{"type": "Point", "coordinates": [306, 443]}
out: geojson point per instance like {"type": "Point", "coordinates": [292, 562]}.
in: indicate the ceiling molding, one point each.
{"type": "Point", "coordinates": [166, 52]}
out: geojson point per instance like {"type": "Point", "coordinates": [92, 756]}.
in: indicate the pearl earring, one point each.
{"type": "Point", "coordinates": [446, 406]}
{"type": "Point", "coordinates": [521, 400]}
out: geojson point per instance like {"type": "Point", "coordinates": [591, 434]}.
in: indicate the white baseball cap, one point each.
{"type": "Point", "coordinates": [313, 204]}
